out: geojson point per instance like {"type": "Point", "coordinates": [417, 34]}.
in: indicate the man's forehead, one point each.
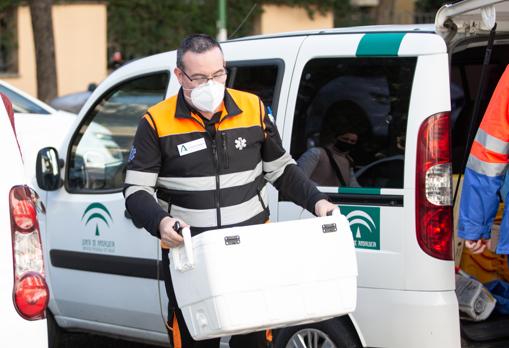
{"type": "Point", "coordinates": [209, 61]}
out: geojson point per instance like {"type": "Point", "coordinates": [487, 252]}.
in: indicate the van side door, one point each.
{"type": "Point", "coordinates": [264, 67]}
{"type": "Point", "coordinates": [104, 269]}
{"type": "Point", "coordinates": [354, 111]}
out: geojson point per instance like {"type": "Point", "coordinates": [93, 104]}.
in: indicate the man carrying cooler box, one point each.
{"type": "Point", "coordinates": [208, 153]}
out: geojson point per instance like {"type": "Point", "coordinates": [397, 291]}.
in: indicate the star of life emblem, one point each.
{"type": "Point", "coordinates": [240, 143]}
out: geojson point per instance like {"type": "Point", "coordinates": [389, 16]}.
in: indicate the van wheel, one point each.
{"type": "Point", "coordinates": [334, 333]}
{"type": "Point", "coordinates": [56, 335]}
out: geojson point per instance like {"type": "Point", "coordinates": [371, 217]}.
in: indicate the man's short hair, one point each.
{"type": "Point", "coordinates": [196, 43]}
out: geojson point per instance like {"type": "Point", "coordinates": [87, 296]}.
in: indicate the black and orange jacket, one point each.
{"type": "Point", "coordinates": [210, 181]}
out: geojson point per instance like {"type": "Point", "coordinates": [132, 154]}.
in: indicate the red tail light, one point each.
{"type": "Point", "coordinates": [433, 208]}
{"type": "Point", "coordinates": [30, 293]}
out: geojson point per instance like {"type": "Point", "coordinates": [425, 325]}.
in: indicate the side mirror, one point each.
{"type": "Point", "coordinates": [47, 169]}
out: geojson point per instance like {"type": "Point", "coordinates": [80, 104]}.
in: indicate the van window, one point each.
{"type": "Point", "coordinates": [262, 79]}
{"type": "Point", "coordinates": [350, 121]}
{"type": "Point", "coordinates": [100, 149]}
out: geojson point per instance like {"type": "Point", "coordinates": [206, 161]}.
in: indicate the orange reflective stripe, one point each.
{"type": "Point", "coordinates": [486, 155]}
{"type": "Point", "coordinates": [245, 120]}
{"type": "Point", "coordinates": [176, 126]}
{"type": "Point", "coordinates": [166, 122]}
{"type": "Point", "coordinates": [250, 116]}
{"type": "Point", "coordinates": [149, 120]}
{"type": "Point", "coordinates": [495, 121]}
{"type": "Point", "coordinates": [177, 340]}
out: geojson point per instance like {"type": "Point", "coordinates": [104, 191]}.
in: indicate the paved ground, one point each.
{"type": "Point", "coordinates": [76, 340]}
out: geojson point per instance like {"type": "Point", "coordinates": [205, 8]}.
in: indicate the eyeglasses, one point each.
{"type": "Point", "coordinates": [201, 79]}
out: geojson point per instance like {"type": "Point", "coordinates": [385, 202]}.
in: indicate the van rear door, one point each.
{"type": "Point", "coordinates": [467, 18]}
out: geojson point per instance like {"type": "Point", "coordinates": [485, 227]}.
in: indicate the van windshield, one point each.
{"type": "Point", "coordinates": [350, 120]}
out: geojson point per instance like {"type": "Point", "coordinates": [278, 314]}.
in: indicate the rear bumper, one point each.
{"type": "Point", "coordinates": [393, 318]}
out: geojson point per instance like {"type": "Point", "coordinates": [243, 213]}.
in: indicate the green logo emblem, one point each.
{"type": "Point", "coordinates": [365, 226]}
{"type": "Point", "coordinates": [97, 212]}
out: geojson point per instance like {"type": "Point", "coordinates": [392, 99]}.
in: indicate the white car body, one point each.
{"type": "Point", "coordinates": [38, 125]}
{"type": "Point", "coordinates": [16, 330]}
{"type": "Point", "coordinates": [104, 275]}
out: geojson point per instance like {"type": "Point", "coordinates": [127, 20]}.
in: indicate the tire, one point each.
{"type": "Point", "coordinates": [334, 333]}
{"type": "Point", "coordinates": [56, 335]}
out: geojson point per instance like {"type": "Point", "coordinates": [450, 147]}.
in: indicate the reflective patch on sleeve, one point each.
{"type": "Point", "coordinates": [487, 155]}
{"type": "Point", "coordinates": [135, 177]}
{"type": "Point", "coordinates": [274, 169]}
{"type": "Point", "coordinates": [492, 143]}
{"type": "Point", "coordinates": [485, 168]}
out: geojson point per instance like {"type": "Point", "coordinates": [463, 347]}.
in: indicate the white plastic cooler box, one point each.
{"type": "Point", "coordinates": [245, 279]}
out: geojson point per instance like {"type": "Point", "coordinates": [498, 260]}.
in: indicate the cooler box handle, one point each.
{"type": "Point", "coordinates": [334, 212]}
{"type": "Point", "coordinates": [183, 256]}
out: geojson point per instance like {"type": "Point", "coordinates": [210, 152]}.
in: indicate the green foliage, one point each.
{"type": "Point", "coordinates": [139, 28]}
{"type": "Point", "coordinates": [6, 4]}
{"type": "Point", "coordinates": [142, 27]}
{"type": "Point", "coordinates": [8, 40]}
{"type": "Point", "coordinates": [310, 5]}
{"type": "Point", "coordinates": [429, 5]}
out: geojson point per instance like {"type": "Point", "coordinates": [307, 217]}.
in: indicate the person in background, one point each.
{"type": "Point", "coordinates": [116, 60]}
{"type": "Point", "coordinates": [485, 175]}
{"type": "Point", "coordinates": [330, 164]}
{"type": "Point", "coordinates": [207, 152]}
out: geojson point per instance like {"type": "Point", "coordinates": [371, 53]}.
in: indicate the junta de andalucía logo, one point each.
{"type": "Point", "coordinates": [97, 213]}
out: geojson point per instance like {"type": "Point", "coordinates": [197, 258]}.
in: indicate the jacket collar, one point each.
{"type": "Point", "coordinates": [228, 108]}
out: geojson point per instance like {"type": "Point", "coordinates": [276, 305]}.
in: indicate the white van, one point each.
{"type": "Point", "coordinates": [104, 272]}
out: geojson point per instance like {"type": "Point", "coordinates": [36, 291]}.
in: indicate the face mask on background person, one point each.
{"type": "Point", "coordinates": [343, 146]}
{"type": "Point", "coordinates": [208, 96]}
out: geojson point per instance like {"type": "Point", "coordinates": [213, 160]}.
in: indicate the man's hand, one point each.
{"type": "Point", "coordinates": [478, 246]}
{"type": "Point", "coordinates": [323, 206]}
{"type": "Point", "coordinates": [169, 237]}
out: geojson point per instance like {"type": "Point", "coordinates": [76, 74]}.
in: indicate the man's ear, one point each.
{"type": "Point", "coordinates": [178, 74]}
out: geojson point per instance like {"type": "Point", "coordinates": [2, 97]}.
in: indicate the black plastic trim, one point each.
{"type": "Point", "coordinates": [360, 199]}
{"type": "Point", "coordinates": [108, 264]}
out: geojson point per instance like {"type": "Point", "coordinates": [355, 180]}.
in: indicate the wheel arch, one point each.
{"type": "Point", "coordinates": [346, 324]}
{"type": "Point", "coordinates": [356, 328]}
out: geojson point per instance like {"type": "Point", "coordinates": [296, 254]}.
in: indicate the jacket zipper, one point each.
{"type": "Point", "coordinates": [224, 138]}
{"type": "Point", "coordinates": [216, 163]}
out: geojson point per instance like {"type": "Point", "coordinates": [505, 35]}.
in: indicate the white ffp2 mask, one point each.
{"type": "Point", "coordinates": [208, 96]}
